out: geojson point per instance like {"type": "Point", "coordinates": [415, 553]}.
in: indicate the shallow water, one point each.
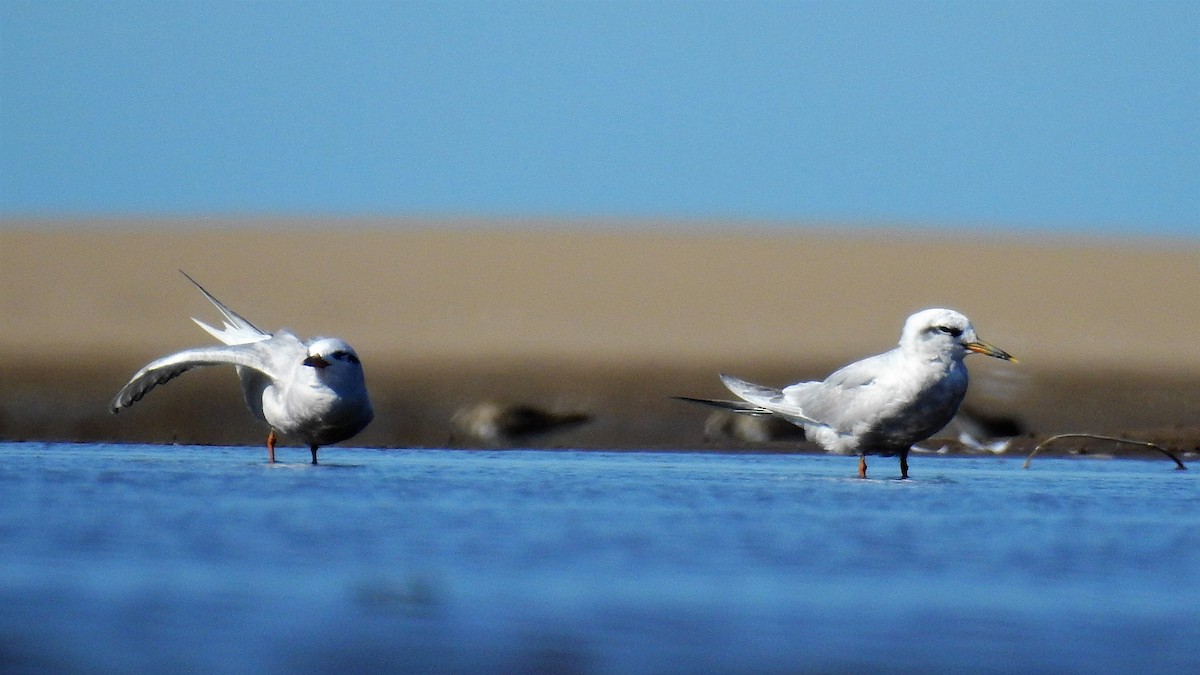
{"type": "Point", "coordinates": [205, 559]}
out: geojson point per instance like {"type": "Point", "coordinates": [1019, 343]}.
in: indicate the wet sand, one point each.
{"type": "Point", "coordinates": [598, 318]}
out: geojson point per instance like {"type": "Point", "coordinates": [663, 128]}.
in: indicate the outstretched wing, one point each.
{"type": "Point", "coordinates": [167, 368]}
{"type": "Point", "coordinates": [237, 330]}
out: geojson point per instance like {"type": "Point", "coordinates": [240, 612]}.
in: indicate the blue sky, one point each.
{"type": "Point", "coordinates": [1077, 116]}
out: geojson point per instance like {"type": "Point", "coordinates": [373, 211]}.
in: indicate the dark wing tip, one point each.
{"type": "Point", "coordinates": [733, 406]}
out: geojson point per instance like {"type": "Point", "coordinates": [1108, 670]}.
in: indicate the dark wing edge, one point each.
{"type": "Point", "coordinates": [740, 407]}
{"type": "Point", "coordinates": [162, 371]}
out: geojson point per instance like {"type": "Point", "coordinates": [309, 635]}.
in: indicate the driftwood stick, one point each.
{"type": "Point", "coordinates": [1179, 466]}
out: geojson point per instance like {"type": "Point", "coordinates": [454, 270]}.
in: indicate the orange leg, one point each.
{"type": "Point", "coordinates": [271, 447]}
{"type": "Point", "coordinates": [862, 466]}
{"type": "Point", "coordinates": [314, 453]}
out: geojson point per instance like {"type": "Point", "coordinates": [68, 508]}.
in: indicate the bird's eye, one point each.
{"type": "Point", "coordinates": [950, 330]}
{"type": "Point", "coordinates": [342, 355]}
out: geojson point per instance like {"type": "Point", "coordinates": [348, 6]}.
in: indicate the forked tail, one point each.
{"type": "Point", "coordinates": [237, 330]}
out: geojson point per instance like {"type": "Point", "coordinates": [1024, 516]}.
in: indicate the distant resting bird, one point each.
{"type": "Point", "coordinates": [313, 390]}
{"type": "Point", "coordinates": [728, 424]}
{"type": "Point", "coordinates": [882, 404]}
{"type": "Point", "coordinates": [496, 423]}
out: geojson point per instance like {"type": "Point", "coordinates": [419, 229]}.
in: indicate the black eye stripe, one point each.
{"type": "Point", "coordinates": [950, 330]}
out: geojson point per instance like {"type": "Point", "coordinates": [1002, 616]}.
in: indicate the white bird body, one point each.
{"type": "Point", "coordinates": [882, 404]}
{"type": "Point", "coordinates": [313, 390]}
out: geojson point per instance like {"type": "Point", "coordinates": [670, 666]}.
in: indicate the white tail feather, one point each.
{"type": "Point", "coordinates": [237, 330]}
{"type": "Point", "coordinates": [233, 335]}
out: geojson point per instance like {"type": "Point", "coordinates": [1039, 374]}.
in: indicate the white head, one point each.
{"type": "Point", "coordinates": [944, 332]}
{"type": "Point", "coordinates": [333, 357]}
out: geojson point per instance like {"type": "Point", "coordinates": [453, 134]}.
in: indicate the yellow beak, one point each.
{"type": "Point", "coordinates": [981, 347]}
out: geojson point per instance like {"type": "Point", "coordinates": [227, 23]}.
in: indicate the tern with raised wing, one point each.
{"type": "Point", "coordinates": [311, 390]}
{"type": "Point", "coordinates": [882, 404]}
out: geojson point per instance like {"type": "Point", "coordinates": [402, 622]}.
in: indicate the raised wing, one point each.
{"type": "Point", "coordinates": [168, 368]}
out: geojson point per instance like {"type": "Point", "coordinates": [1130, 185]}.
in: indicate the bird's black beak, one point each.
{"type": "Point", "coordinates": [316, 362]}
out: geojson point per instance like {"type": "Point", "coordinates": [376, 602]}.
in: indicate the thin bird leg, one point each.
{"type": "Point", "coordinates": [862, 466]}
{"type": "Point", "coordinates": [904, 464]}
{"type": "Point", "coordinates": [271, 447]}
{"type": "Point", "coordinates": [313, 447]}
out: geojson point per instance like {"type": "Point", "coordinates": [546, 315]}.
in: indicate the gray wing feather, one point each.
{"type": "Point", "coordinates": [770, 399]}
{"type": "Point", "coordinates": [836, 400]}
{"type": "Point", "coordinates": [859, 373]}
{"type": "Point", "coordinates": [168, 368]}
{"type": "Point", "coordinates": [732, 406]}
